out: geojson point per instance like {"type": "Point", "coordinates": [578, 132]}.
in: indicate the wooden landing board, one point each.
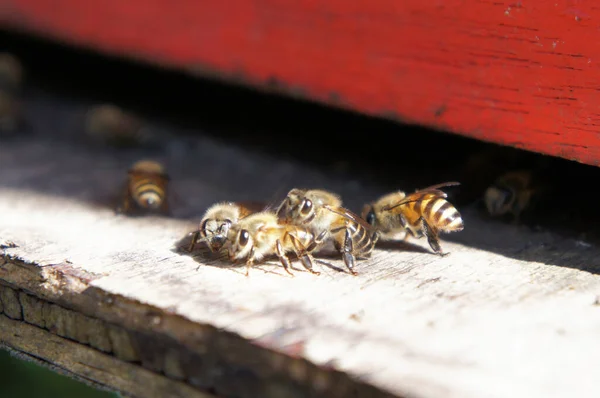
{"type": "Point", "coordinates": [519, 73]}
{"type": "Point", "coordinates": [510, 313]}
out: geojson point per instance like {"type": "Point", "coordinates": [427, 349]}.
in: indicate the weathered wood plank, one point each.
{"type": "Point", "coordinates": [70, 355]}
{"type": "Point", "coordinates": [510, 313]}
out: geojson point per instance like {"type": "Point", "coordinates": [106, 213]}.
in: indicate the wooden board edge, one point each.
{"type": "Point", "coordinates": [195, 351]}
{"type": "Point", "coordinates": [88, 365]}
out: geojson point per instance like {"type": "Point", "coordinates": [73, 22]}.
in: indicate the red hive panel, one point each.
{"type": "Point", "coordinates": [520, 73]}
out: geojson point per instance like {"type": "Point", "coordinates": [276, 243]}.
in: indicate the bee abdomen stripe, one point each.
{"type": "Point", "coordinates": [440, 213]}
{"type": "Point", "coordinates": [149, 187]}
{"type": "Point", "coordinates": [456, 223]}
{"type": "Point", "coordinates": [364, 241]}
{"type": "Point", "coordinates": [359, 231]}
{"type": "Point", "coordinates": [438, 205]}
{"type": "Point", "coordinates": [427, 210]}
{"type": "Point", "coordinates": [449, 216]}
{"type": "Point", "coordinates": [137, 183]}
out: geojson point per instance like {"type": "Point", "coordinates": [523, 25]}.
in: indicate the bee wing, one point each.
{"type": "Point", "coordinates": [349, 215]}
{"type": "Point", "coordinates": [435, 189]}
{"type": "Point", "coordinates": [417, 196]}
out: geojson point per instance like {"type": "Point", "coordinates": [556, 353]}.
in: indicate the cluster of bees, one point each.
{"type": "Point", "coordinates": [306, 219]}
{"type": "Point", "coordinates": [303, 223]}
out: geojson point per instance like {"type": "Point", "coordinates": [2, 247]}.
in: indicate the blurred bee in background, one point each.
{"type": "Point", "coordinates": [511, 193]}
{"type": "Point", "coordinates": [323, 214]}
{"type": "Point", "coordinates": [110, 125]}
{"type": "Point", "coordinates": [11, 77]}
{"type": "Point", "coordinates": [218, 219]}
{"type": "Point", "coordinates": [261, 234]}
{"type": "Point", "coordinates": [11, 73]}
{"type": "Point", "coordinates": [425, 212]}
{"type": "Point", "coordinates": [146, 189]}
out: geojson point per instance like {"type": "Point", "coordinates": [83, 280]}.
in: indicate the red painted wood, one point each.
{"type": "Point", "coordinates": [521, 73]}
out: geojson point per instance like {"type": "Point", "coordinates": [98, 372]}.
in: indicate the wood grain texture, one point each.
{"type": "Point", "coordinates": [510, 313]}
{"type": "Point", "coordinates": [55, 337]}
{"type": "Point", "coordinates": [523, 74]}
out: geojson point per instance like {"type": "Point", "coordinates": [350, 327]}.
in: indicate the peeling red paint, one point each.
{"type": "Point", "coordinates": [504, 72]}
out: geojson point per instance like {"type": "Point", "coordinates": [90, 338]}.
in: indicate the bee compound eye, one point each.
{"type": "Point", "coordinates": [306, 206]}
{"type": "Point", "coordinates": [244, 237]}
{"type": "Point", "coordinates": [203, 228]}
{"type": "Point", "coordinates": [371, 217]}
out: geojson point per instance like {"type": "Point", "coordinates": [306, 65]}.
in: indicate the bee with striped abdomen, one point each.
{"type": "Point", "coordinates": [146, 189]}
{"type": "Point", "coordinates": [322, 212]}
{"type": "Point", "coordinates": [261, 234]}
{"type": "Point", "coordinates": [11, 110]}
{"type": "Point", "coordinates": [510, 193]}
{"type": "Point", "coordinates": [423, 212]}
{"type": "Point", "coordinates": [113, 126]}
{"type": "Point", "coordinates": [217, 221]}
{"type": "Point", "coordinates": [11, 73]}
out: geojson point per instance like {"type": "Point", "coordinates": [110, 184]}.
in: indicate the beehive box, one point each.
{"type": "Point", "coordinates": [523, 74]}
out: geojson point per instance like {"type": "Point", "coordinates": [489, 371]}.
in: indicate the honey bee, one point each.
{"type": "Point", "coordinates": [322, 212]}
{"type": "Point", "coordinates": [113, 126]}
{"type": "Point", "coordinates": [261, 234]}
{"type": "Point", "coordinates": [146, 188]}
{"type": "Point", "coordinates": [11, 73]}
{"type": "Point", "coordinates": [425, 212]}
{"type": "Point", "coordinates": [510, 193]}
{"type": "Point", "coordinates": [217, 221]}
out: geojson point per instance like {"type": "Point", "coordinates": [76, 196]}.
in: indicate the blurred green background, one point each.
{"type": "Point", "coordinates": [25, 379]}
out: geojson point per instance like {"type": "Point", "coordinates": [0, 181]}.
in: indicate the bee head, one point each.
{"type": "Point", "coordinates": [241, 243]}
{"type": "Point", "coordinates": [290, 208]}
{"type": "Point", "coordinates": [499, 200]}
{"type": "Point", "coordinates": [215, 232]}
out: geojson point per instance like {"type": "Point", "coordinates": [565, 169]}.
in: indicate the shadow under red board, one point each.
{"type": "Point", "coordinates": [518, 73]}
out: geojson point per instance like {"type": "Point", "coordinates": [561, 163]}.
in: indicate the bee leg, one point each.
{"type": "Point", "coordinates": [432, 238]}
{"type": "Point", "coordinates": [347, 252]}
{"type": "Point", "coordinates": [249, 262]}
{"type": "Point", "coordinates": [373, 242]}
{"type": "Point", "coordinates": [283, 258]}
{"type": "Point", "coordinates": [316, 242]}
{"type": "Point", "coordinates": [307, 260]}
{"type": "Point", "coordinates": [194, 239]}
{"type": "Point", "coordinates": [303, 254]}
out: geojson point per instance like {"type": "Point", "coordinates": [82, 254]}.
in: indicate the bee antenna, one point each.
{"type": "Point", "coordinates": [327, 207]}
